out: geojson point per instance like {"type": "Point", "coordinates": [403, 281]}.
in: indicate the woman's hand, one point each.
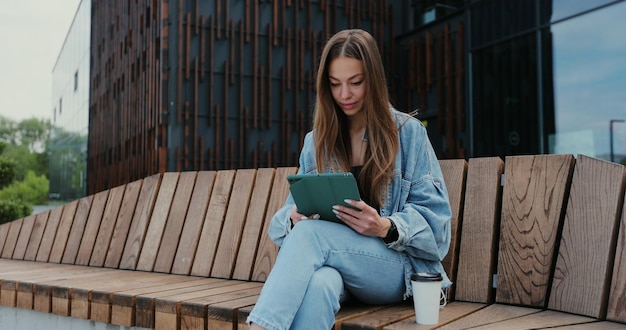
{"type": "Point", "coordinates": [297, 217]}
{"type": "Point", "coordinates": [366, 221]}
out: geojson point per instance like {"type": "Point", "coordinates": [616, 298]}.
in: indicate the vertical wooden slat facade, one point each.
{"type": "Point", "coordinates": [187, 85]}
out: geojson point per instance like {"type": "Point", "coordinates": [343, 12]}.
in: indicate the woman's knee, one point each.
{"type": "Point", "coordinates": [326, 286]}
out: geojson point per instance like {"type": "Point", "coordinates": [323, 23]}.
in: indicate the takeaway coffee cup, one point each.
{"type": "Point", "coordinates": [426, 294]}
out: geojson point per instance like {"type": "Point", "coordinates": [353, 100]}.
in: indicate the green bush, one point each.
{"type": "Point", "coordinates": [12, 210]}
{"type": "Point", "coordinates": [8, 169]}
{"type": "Point", "coordinates": [32, 191]}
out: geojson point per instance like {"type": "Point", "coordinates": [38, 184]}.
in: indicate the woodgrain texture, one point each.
{"type": "Point", "coordinates": [617, 299]}
{"type": "Point", "coordinates": [479, 240]}
{"type": "Point", "coordinates": [266, 255]}
{"type": "Point", "coordinates": [490, 314]}
{"type": "Point", "coordinates": [450, 313]}
{"type": "Point", "coordinates": [49, 234]}
{"type": "Point", "coordinates": [123, 223]}
{"type": "Point", "coordinates": [141, 219]}
{"type": "Point", "coordinates": [252, 230]}
{"type": "Point", "coordinates": [36, 235]}
{"type": "Point", "coordinates": [63, 232]}
{"type": "Point", "coordinates": [533, 198]}
{"type": "Point", "coordinates": [77, 229]}
{"type": "Point", "coordinates": [175, 222]}
{"type": "Point", "coordinates": [586, 253]}
{"type": "Point", "coordinates": [12, 235]}
{"type": "Point", "coordinates": [92, 227]}
{"type": "Point", "coordinates": [234, 222]}
{"type": "Point", "coordinates": [4, 232]}
{"type": "Point", "coordinates": [158, 221]}
{"type": "Point", "coordinates": [107, 226]}
{"type": "Point", "coordinates": [194, 220]}
{"type": "Point", "coordinates": [24, 237]}
{"type": "Point", "coordinates": [454, 171]}
{"type": "Point", "coordinates": [211, 229]}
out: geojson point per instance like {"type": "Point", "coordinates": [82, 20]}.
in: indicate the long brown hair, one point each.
{"type": "Point", "coordinates": [332, 141]}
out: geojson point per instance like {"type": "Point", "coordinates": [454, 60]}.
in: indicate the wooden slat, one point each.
{"type": "Point", "coordinates": [11, 238]}
{"type": "Point", "coordinates": [266, 255]}
{"type": "Point", "coordinates": [107, 225]}
{"type": "Point", "coordinates": [490, 314]}
{"type": "Point", "coordinates": [211, 228]}
{"type": "Point", "coordinates": [77, 229]}
{"type": "Point", "coordinates": [532, 202]}
{"type": "Point", "coordinates": [36, 235]}
{"type": "Point", "coordinates": [454, 171]}
{"type": "Point", "coordinates": [8, 293]}
{"type": "Point", "coordinates": [583, 269]}
{"type": "Point", "coordinates": [24, 296]}
{"type": "Point", "coordinates": [145, 303]}
{"type": "Point", "coordinates": [24, 236]}
{"type": "Point", "coordinates": [63, 232]}
{"type": "Point", "coordinates": [91, 228]}
{"type": "Point", "coordinates": [252, 231]}
{"type": "Point", "coordinates": [193, 223]}
{"type": "Point", "coordinates": [617, 299]}
{"type": "Point", "coordinates": [157, 222]}
{"type": "Point", "coordinates": [539, 320]}
{"type": "Point", "coordinates": [4, 231]}
{"type": "Point", "coordinates": [122, 225]}
{"type": "Point", "coordinates": [228, 248]}
{"type": "Point", "coordinates": [175, 222]}
{"type": "Point", "coordinates": [194, 311]}
{"type": "Point", "coordinates": [479, 240]}
{"type": "Point", "coordinates": [593, 326]}
{"type": "Point", "coordinates": [139, 225]}
{"type": "Point", "coordinates": [381, 317]}
{"type": "Point", "coordinates": [168, 310]}
{"type": "Point", "coordinates": [223, 315]}
{"type": "Point", "coordinates": [45, 248]}
{"type": "Point", "coordinates": [122, 301]}
{"type": "Point", "coordinates": [452, 312]}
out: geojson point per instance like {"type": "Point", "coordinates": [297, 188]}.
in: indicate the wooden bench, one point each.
{"type": "Point", "coordinates": [538, 242]}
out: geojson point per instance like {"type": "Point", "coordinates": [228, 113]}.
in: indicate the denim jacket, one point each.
{"type": "Point", "coordinates": [417, 201]}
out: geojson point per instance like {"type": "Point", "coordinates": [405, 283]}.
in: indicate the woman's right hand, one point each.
{"type": "Point", "coordinates": [297, 217]}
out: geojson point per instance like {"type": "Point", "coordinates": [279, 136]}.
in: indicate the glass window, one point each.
{"type": "Point", "coordinates": [589, 83]}
{"type": "Point", "coordinates": [564, 8]}
{"type": "Point", "coordinates": [505, 98]}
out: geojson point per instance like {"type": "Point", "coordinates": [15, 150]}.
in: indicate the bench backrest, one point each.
{"type": "Point", "coordinates": [586, 257]}
{"type": "Point", "coordinates": [550, 226]}
{"type": "Point", "coordinates": [207, 223]}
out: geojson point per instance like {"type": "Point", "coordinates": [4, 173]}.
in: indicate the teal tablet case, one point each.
{"type": "Point", "coordinates": [317, 193]}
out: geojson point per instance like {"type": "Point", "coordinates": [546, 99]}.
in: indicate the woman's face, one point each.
{"type": "Point", "coordinates": [347, 84]}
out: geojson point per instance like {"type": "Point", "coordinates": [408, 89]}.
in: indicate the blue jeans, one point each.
{"type": "Point", "coordinates": [318, 264]}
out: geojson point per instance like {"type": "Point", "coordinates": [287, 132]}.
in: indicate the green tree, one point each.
{"type": "Point", "coordinates": [33, 190]}
{"type": "Point", "coordinates": [11, 207]}
{"type": "Point", "coordinates": [23, 166]}
{"type": "Point", "coordinates": [7, 168]}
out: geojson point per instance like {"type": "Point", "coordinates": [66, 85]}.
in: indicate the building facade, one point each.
{"type": "Point", "coordinates": [70, 101]}
{"type": "Point", "coordinates": [516, 77]}
{"type": "Point", "coordinates": [202, 85]}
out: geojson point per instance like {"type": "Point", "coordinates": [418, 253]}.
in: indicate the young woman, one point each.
{"type": "Point", "coordinates": [404, 223]}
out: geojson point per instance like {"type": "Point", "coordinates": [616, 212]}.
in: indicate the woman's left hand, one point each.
{"type": "Point", "coordinates": [365, 221]}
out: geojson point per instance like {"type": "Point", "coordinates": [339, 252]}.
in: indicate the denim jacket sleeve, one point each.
{"type": "Point", "coordinates": [418, 199]}
{"type": "Point", "coordinates": [280, 225]}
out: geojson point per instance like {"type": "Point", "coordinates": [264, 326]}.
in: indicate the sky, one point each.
{"type": "Point", "coordinates": [32, 33]}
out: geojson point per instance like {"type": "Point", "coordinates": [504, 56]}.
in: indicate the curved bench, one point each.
{"type": "Point", "coordinates": [537, 240]}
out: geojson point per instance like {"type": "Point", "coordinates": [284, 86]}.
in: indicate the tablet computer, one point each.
{"type": "Point", "coordinates": [317, 193]}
